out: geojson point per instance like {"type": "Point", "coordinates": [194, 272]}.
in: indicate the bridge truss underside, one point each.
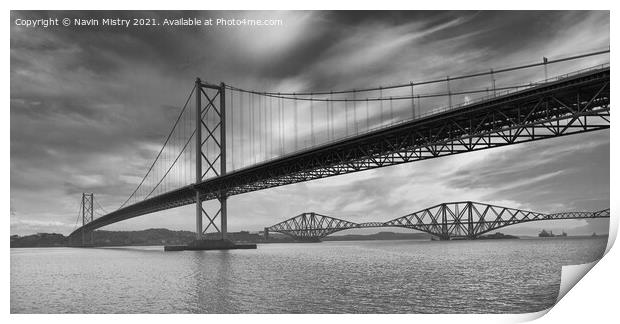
{"type": "Point", "coordinates": [573, 105]}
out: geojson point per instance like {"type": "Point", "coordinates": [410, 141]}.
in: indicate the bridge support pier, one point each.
{"type": "Point", "coordinates": [210, 132]}
{"type": "Point", "coordinates": [212, 119]}
{"type": "Point", "coordinates": [198, 216]}
{"type": "Point", "coordinates": [198, 152]}
{"type": "Point", "coordinates": [223, 217]}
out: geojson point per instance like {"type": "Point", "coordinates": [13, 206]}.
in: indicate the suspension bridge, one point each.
{"type": "Point", "coordinates": [236, 140]}
{"type": "Point", "coordinates": [461, 220]}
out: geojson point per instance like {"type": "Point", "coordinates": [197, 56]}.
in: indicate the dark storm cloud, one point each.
{"type": "Point", "coordinates": [91, 106]}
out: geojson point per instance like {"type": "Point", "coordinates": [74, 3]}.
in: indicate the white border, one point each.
{"type": "Point", "coordinates": [591, 301]}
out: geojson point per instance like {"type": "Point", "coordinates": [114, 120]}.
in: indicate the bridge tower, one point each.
{"type": "Point", "coordinates": [87, 212]}
{"type": "Point", "coordinates": [210, 149]}
{"type": "Point", "coordinates": [471, 233]}
{"type": "Point", "coordinates": [445, 233]}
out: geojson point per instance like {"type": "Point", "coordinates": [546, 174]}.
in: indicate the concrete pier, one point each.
{"type": "Point", "coordinates": [199, 245]}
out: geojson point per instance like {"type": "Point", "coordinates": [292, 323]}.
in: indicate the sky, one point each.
{"type": "Point", "coordinates": [91, 106]}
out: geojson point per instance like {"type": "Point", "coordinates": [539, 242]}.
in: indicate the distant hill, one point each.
{"type": "Point", "coordinates": [153, 236]}
{"type": "Point", "coordinates": [162, 236]}
{"type": "Point", "coordinates": [38, 240]}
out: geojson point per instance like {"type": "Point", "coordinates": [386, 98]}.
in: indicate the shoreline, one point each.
{"type": "Point", "coordinates": [524, 237]}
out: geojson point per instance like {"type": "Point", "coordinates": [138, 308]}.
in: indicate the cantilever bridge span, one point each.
{"type": "Point", "coordinates": [446, 221]}
{"type": "Point", "coordinates": [574, 103]}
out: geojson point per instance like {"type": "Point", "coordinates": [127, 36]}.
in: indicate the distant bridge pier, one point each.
{"type": "Point", "coordinates": [223, 217]}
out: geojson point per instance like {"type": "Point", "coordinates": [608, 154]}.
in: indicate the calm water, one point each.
{"type": "Point", "coordinates": [511, 276]}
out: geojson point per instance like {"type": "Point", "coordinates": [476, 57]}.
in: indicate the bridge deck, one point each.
{"type": "Point", "coordinates": [575, 104]}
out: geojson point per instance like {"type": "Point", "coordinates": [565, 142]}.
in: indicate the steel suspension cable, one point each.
{"type": "Point", "coordinates": [271, 127]}
{"type": "Point", "coordinates": [170, 168]}
{"type": "Point", "coordinates": [232, 131]}
{"type": "Point", "coordinates": [331, 103]}
{"type": "Point", "coordinates": [381, 96]}
{"type": "Point", "coordinates": [346, 118]}
{"type": "Point", "coordinates": [439, 80]}
{"type": "Point", "coordinates": [242, 122]}
{"type": "Point", "coordinates": [253, 131]}
{"type": "Point", "coordinates": [311, 123]}
{"type": "Point", "coordinates": [177, 158]}
{"type": "Point", "coordinates": [327, 117]}
{"type": "Point", "coordinates": [162, 148]}
{"type": "Point", "coordinates": [408, 97]}
{"type": "Point", "coordinates": [295, 123]}
{"type": "Point", "coordinates": [264, 136]}
{"type": "Point", "coordinates": [355, 113]}
{"type": "Point", "coordinates": [280, 125]}
{"type": "Point", "coordinates": [77, 221]}
{"type": "Point", "coordinates": [259, 124]}
{"type": "Point", "coordinates": [367, 116]}
{"type": "Point", "coordinates": [100, 207]}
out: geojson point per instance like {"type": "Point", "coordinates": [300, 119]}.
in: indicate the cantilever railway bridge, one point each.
{"type": "Point", "coordinates": [446, 221]}
{"type": "Point", "coordinates": [236, 141]}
